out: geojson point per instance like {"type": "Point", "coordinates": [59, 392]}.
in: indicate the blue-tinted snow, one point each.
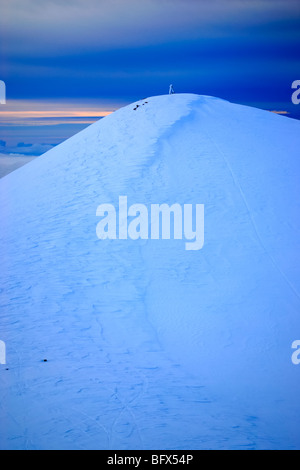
{"type": "Point", "coordinates": [150, 346]}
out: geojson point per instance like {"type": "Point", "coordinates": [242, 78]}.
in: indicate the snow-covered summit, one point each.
{"type": "Point", "coordinates": [148, 345]}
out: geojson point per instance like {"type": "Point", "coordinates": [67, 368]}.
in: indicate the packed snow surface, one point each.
{"type": "Point", "coordinates": [140, 344]}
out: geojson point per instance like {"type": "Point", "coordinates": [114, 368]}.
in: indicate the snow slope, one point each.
{"type": "Point", "coordinates": [149, 346]}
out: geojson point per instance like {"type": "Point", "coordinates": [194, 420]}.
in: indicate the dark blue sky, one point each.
{"type": "Point", "coordinates": [243, 50]}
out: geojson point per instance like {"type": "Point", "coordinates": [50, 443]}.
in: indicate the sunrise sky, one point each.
{"type": "Point", "coordinates": [123, 50]}
{"type": "Point", "coordinates": [79, 60]}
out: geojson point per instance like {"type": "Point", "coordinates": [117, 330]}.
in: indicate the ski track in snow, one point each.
{"type": "Point", "coordinates": [127, 326]}
{"type": "Point", "coordinates": [236, 182]}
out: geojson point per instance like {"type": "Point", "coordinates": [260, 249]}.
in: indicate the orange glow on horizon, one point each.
{"type": "Point", "coordinates": [54, 114]}
{"type": "Point", "coordinates": [22, 109]}
{"type": "Point", "coordinates": [280, 112]}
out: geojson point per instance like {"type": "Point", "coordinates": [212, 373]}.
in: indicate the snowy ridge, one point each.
{"type": "Point", "coordinates": [147, 345]}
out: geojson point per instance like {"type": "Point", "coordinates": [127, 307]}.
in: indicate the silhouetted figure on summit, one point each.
{"type": "Point", "coordinates": [171, 90]}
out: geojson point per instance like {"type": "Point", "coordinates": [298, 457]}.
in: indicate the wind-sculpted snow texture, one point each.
{"type": "Point", "coordinates": [149, 346]}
